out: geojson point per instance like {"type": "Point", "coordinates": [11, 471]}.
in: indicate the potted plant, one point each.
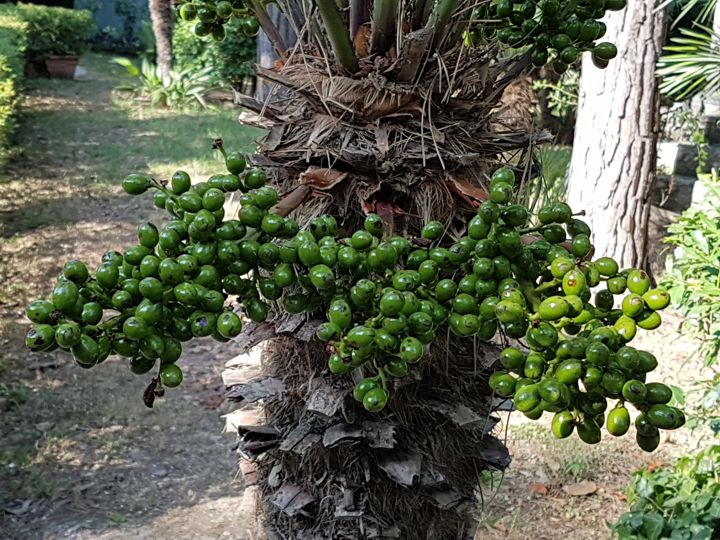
{"type": "Point", "coordinates": [57, 37]}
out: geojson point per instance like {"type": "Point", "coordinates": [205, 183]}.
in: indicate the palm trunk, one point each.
{"type": "Point", "coordinates": [161, 15]}
{"type": "Point", "coordinates": [321, 466]}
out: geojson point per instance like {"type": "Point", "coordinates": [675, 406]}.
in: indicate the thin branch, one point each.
{"type": "Point", "coordinates": [269, 27]}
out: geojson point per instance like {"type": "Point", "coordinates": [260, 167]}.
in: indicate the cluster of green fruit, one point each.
{"type": "Point", "coordinates": [212, 15]}
{"type": "Point", "coordinates": [555, 31]}
{"type": "Point", "coordinates": [531, 282]}
{"type": "Point", "coordinates": [172, 286]}
{"type": "Point", "coordinates": [385, 297]}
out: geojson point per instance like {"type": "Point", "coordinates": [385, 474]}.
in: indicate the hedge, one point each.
{"type": "Point", "coordinates": [13, 44]}
{"type": "Point", "coordinates": [56, 31]}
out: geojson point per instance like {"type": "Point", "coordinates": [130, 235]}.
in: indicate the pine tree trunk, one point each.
{"type": "Point", "coordinates": [161, 14]}
{"type": "Point", "coordinates": [614, 153]}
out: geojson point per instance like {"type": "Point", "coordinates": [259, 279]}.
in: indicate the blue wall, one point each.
{"type": "Point", "coordinates": [105, 11]}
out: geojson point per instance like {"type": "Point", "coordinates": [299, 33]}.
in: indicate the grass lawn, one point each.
{"type": "Point", "coordinates": [100, 135]}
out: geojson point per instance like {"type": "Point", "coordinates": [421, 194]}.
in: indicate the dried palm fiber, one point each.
{"type": "Point", "coordinates": [412, 138]}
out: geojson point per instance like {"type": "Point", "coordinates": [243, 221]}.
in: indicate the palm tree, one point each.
{"type": "Point", "coordinates": [161, 14]}
{"type": "Point", "coordinates": [387, 111]}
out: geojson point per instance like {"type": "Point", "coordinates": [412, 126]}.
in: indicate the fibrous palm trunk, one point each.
{"type": "Point", "coordinates": [411, 137]}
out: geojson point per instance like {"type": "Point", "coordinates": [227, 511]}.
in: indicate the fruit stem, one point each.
{"type": "Point", "coordinates": [530, 294]}
{"type": "Point", "coordinates": [547, 285]}
{"type": "Point", "coordinates": [531, 229]}
{"type": "Point", "coordinates": [113, 321]}
{"type": "Point", "coordinates": [383, 378]}
{"type": "Point", "coordinates": [219, 145]}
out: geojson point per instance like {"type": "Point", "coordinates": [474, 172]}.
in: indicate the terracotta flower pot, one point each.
{"type": "Point", "coordinates": [62, 67]}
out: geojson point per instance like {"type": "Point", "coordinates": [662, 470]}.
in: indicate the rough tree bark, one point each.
{"type": "Point", "coordinates": [614, 154]}
{"type": "Point", "coordinates": [161, 14]}
{"type": "Point", "coordinates": [316, 464]}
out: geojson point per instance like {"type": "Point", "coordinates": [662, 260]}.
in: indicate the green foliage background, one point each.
{"type": "Point", "coordinates": [56, 31]}
{"type": "Point", "coordinates": [680, 502]}
{"type": "Point", "coordinates": [231, 58]}
{"type": "Point", "coordinates": [13, 43]}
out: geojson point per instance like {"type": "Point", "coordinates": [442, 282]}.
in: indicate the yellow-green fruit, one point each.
{"type": "Point", "coordinates": [618, 421]}
{"type": "Point", "coordinates": [563, 424]}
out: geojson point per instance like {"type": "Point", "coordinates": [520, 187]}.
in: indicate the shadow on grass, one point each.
{"type": "Point", "coordinates": [39, 212]}
{"type": "Point", "coordinates": [88, 455]}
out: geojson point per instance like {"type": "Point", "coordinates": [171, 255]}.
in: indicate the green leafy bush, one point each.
{"type": "Point", "coordinates": [562, 96]}
{"type": "Point", "coordinates": [13, 41]}
{"type": "Point", "coordinates": [56, 31]}
{"type": "Point", "coordinates": [181, 88]}
{"type": "Point", "coordinates": [128, 38]}
{"type": "Point", "coordinates": [692, 274]}
{"type": "Point", "coordinates": [231, 59]}
{"type": "Point", "coordinates": [680, 502]}
{"type": "Point", "coordinates": [683, 502]}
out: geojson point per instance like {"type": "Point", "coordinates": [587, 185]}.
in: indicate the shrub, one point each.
{"type": "Point", "coordinates": [676, 502]}
{"type": "Point", "coordinates": [692, 276]}
{"type": "Point", "coordinates": [232, 58]}
{"type": "Point", "coordinates": [179, 89]}
{"type": "Point", "coordinates": [126, 39]}
{"type": "Point", "coordinates": [56, 31]}
{"type": "Point", "coordinates": [13, 41]}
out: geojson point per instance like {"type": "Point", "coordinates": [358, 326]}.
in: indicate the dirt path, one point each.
{"type": "Point", "coordinates": [80, 456]}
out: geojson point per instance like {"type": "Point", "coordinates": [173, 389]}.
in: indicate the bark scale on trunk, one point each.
{"type": "Point", "coordinates": [161, 14]}
{"type": "Point", "coordinates": [614, 153]}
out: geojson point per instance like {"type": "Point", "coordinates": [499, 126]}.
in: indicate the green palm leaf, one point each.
{"type": "Point", "coordinates": [691, 64]}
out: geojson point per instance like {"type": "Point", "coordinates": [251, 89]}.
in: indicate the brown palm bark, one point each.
{"type": "Point", "coordinates": [161, 14]}
{"type": "Point", "coordinates": [614, 153]}
{"type": "Point", "coordinates": [317, 465]}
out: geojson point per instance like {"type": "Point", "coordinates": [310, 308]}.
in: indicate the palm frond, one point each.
{"type": "Point", "coordinates": [691, 64]}
{"type": "Point", "coordinates": [688, 7]}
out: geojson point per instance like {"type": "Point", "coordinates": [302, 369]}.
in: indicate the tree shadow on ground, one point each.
{"type": "Point", "coordinates": [81, 452]}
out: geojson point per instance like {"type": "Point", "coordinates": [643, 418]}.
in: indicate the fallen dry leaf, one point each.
{"type": "Point", "coordinates": [475, 194]}
{"type": "Point", "coordinates": [321, 178]}
{"type": "Point", "coordinates": [540, 489]}
{"type": "Point", "coordinates": [580, 489]}
{"type": "Point", "coordinates": [655, 464]}
{"type": "Point", "coordinates": [362, 41]}
{"type": "Point", "coordinates": [500, 527]}
{"type": "Point", "coordinates": [620, 496]}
